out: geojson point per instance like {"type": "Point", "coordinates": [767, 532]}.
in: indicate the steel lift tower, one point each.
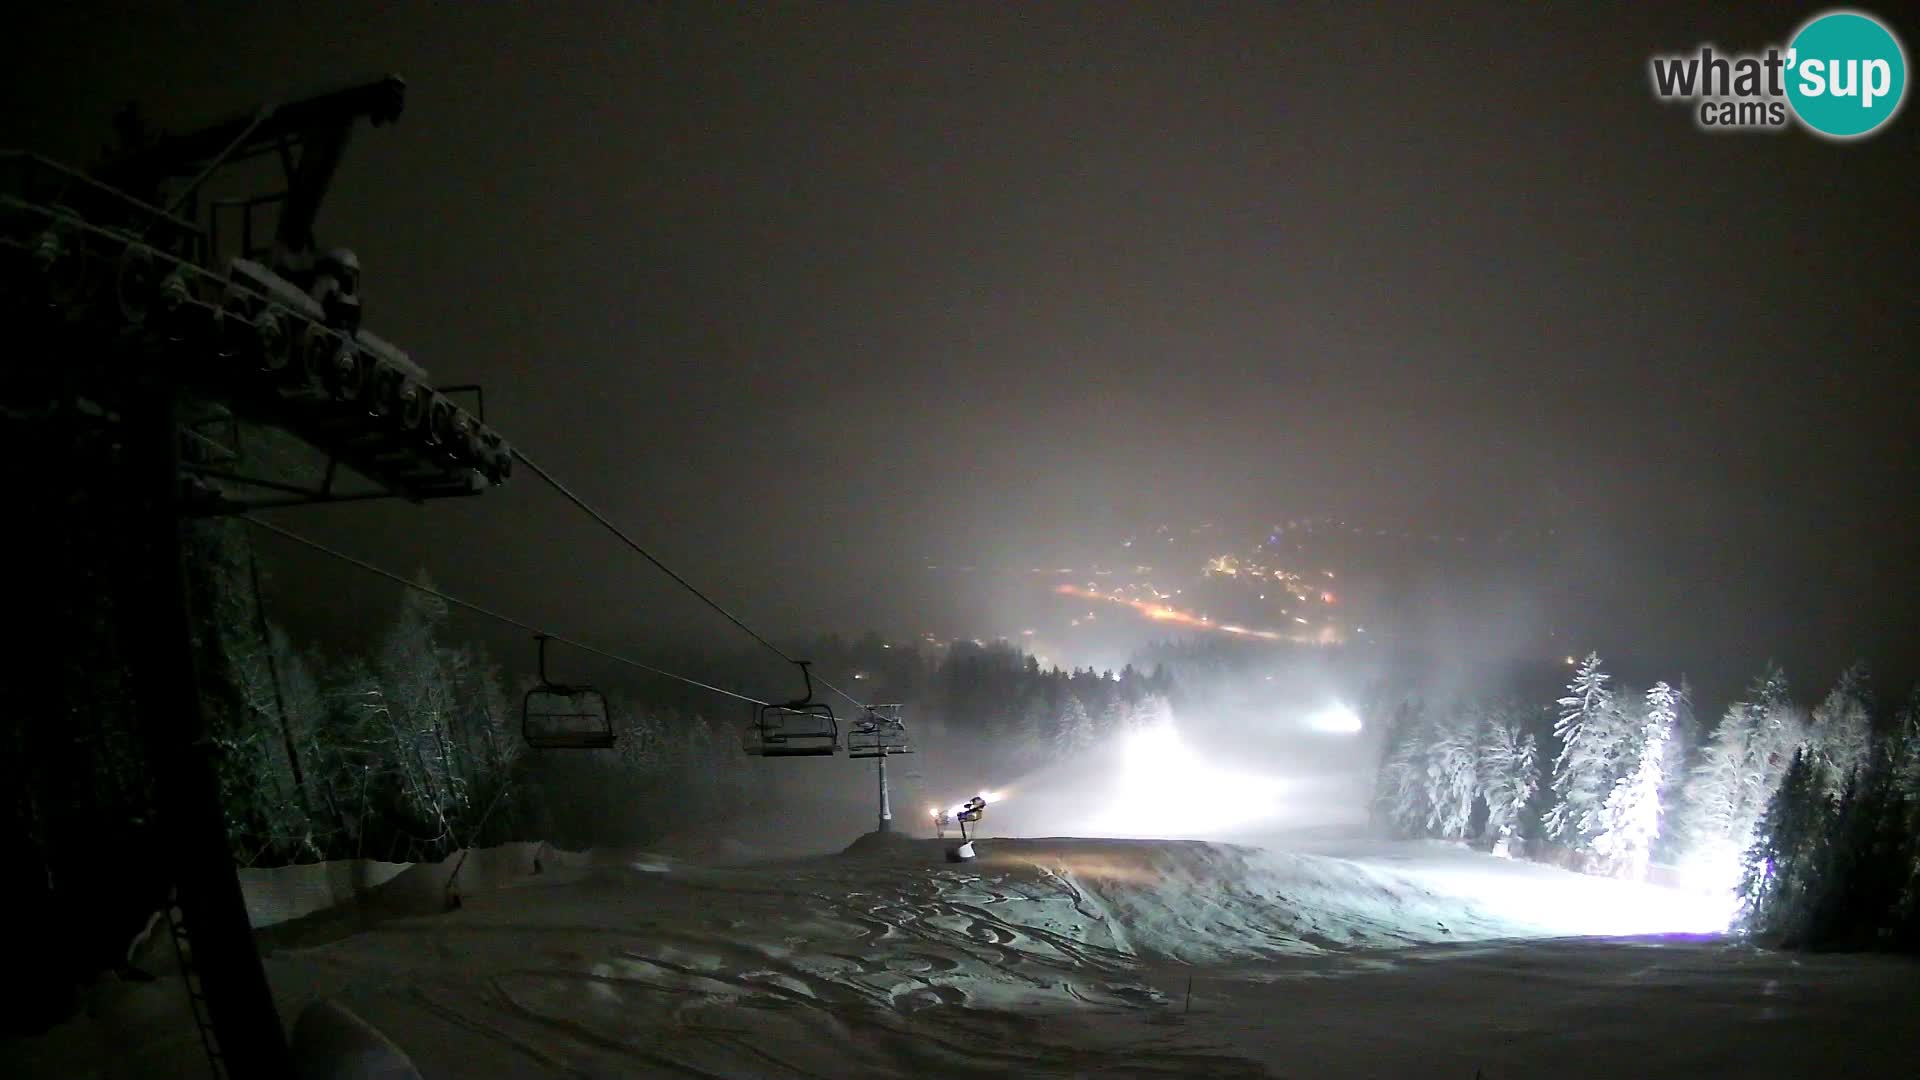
{"type": "Point", "coordinates": [149, 319]}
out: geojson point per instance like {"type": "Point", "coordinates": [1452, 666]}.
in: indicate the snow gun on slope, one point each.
{"type": "Point", "coordinates": [967, 813]}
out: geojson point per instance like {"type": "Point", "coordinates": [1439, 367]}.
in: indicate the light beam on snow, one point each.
{"type": "Point", "coordinates": [1715, 872]}
{"type": "Point", "coordinates": [1163, 788]}
{"type": "Point", "coordinates": [1557, 903]}
{"type": "Point", "coordinates": [1336, 719]}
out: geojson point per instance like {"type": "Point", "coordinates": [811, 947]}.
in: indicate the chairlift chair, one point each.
{"type": "Point", "coordinates": [878, 733]}
{"type": "Point", "coordinates": [794, 730]}
{"type": "Point", "coordinates": [555, 716]}
{"type": "Point", "coordinates": [799, 728]}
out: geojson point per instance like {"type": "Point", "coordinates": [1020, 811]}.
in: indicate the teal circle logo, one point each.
{"type": "Point", "coordinates": [1846, 74]}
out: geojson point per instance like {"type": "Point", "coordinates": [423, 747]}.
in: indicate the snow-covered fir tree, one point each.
{"type": "Point", "coordinates": [1841, 731]}
{"type": "Point", "coordinates": [1400, 800]}
{"type": "Point", "coordinates": [1509, 774]}
{"type": "Point", "coordinates": [1739, 769]}
{"type": "Point", "coordinates": [1154, 710]}
{"type": "Point", "coordinates": [1452, 774]}
{"type": "Point", "coordinates": [1711, 789]}
{"type": "Point", "coordinates": [1075, 732]}
{"type": "Point", "coordinates": [1033, 732]}
{"type": "Point", "coordinates": [418, 699]}
{"type": "Point", "coordinates": [1780, 729]}
{"type": "Point", "coordinates": [1590, 730]}
{"type": "Point", "coordinates": [1629, 821]}
{"type": "Point", "coordinates": [1683, 749]}
{"type": "Point", "coordinates": [1782, 867]}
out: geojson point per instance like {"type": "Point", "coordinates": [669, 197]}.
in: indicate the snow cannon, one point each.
{"type": "Point", "coordinates": [967, 813]}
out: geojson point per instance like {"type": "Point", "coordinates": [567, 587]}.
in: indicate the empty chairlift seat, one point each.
{"type": "Point", "coordinates": [555, 716]}
{"type": "Point", "coordinates": [799, 729]}
{"type": "Point", "coordinates": [878, 733]}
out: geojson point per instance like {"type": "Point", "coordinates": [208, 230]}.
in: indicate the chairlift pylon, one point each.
{"type": "Point", "coordinates": [556, 716]}
{"type": "Point", "coordinates": [802, 727]}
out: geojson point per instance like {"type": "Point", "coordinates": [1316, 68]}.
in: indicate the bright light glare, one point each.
{"type": "Point", "coordinates": [1165, 789]}
{"type": "Point", "coordinates": [1553, 902]}
{"type": "Point", "coordinates": [984, 796]}
{"type": "Point", "coordinates": [1715, 872]}
{"type": "Point", "coordinates": [1335, 719]}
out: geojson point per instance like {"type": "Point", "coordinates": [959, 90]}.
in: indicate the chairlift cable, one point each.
{"type": "Point", "coordinates": [596, 515]}
{"type": "Point", "coordinates": [857, 703]}
{"type": "Point", "coordinates": [489, 613]}
{"type": "Point", "coordinates": [577, 501]}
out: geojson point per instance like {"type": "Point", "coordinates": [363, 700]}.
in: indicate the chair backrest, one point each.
{"type": "Point", "coordinates": [556, 717]}
{"type": "Point", "coordinates": [878, 740]}
{"type": "Point", "coordinates": [808, 730]}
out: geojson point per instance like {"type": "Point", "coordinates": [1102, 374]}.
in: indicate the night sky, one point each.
{"type": "Point", "coordinates": [809, 297]}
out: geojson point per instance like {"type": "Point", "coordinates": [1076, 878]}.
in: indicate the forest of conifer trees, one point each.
{"type": "Point", "coordinates": [1809, 816]}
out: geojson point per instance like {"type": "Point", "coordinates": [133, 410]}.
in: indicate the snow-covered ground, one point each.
{"type": "Point", "coordinates": [1051, 957]}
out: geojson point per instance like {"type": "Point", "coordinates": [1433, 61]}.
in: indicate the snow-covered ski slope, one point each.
{"type": "Point", "coordinates": [1046, 957]}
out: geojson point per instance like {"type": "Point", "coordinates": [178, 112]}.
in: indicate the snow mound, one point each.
{"type": "Point", "coordinates": [1197, 902]}
{"type": "Point", "coordinates": [331, 1043]}
{"type": "Point", "coordinates": [894, 845]}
